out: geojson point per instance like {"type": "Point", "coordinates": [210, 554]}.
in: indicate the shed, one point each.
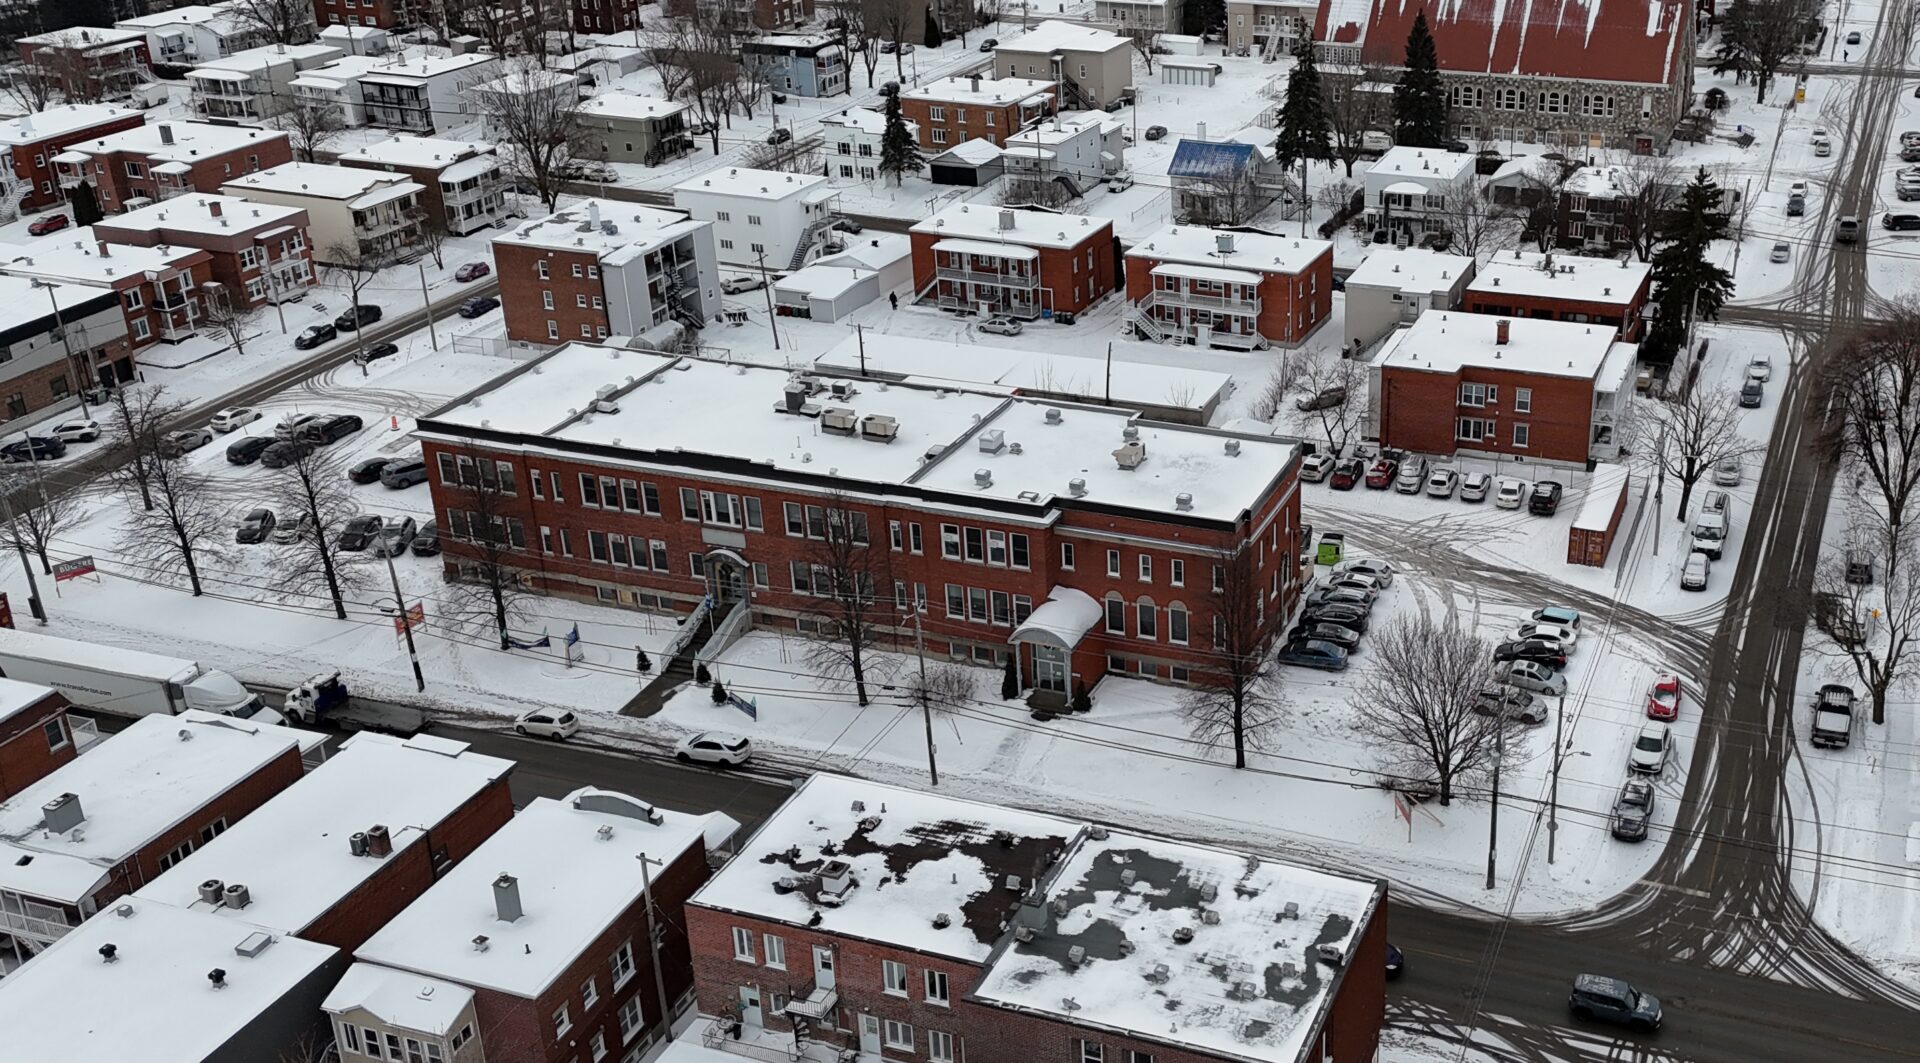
{"type": "Point", "coordinates": [1591, 538]}
{"type": "Point", "coordinates": [972, 164]}
{"type": "Point", "coordinates": [1181, 43]}
{"type": "Point", "coordinates": [825, 293]}
{"type": "Point", "coordinates": [1176, 70]}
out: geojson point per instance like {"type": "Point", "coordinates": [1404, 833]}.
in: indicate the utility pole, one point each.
{"type": "Point", "coordinates": [427, 304]}
{"type": "Point", "coordinates": [1493, 820]}
{"type": "Point", "coordinates": [1559, 754]}
{"type": "Point", "coordinates": [273, 288]}
{"type": "Point", "coordinates": [767, 285]}
{"type": "Point", "coordinates": [33, 586]}
{"type": "Point", "coordinates": [1659, 487]}
{"type": "Point", "coordinates": [926, 697]}
{"type": "Point", "coordinates": [406, 625]}
{"type": "Point", "coordinates": [653, 946]}
{"type": "Point", "coordinates": [86, 378]}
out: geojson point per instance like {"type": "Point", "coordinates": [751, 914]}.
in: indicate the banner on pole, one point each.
{"type": "Point", "coordinates": [74, 569]}
{"type": "Point", "coordinates": [416, 615]}
{"type": "Point", "coordinates": [540, 643]}
{"type": "Point", "coordinates": [6, 611]}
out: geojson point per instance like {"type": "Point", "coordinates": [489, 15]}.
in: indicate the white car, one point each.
{"type": "Point", "coordinates": [1001, 326]}
{"type": "Point", "coordinates": [1727, 473]}
{"type": "Point", "coordinates": [1693, 577]}
{"type": "Point", "coordinates": [713, 747]}
{"type": "Point", "coordinates": [1541, 629]}
{"type": "Point", "coordinates": [1474, 488]}
{"type": "Point", "coordinates": [76, 431]}
{"type": "Point", "coordinates": [1381, 571]}
{"type": "Point", "coordinates": [737, 285]}
{"type": "Point", "coordinates": [1780, 253]}
{"type": "Point", "coordinates": [177, 443]}
{"type": "Point", "coordinates": [234, 417]}
{"type": "Point", "coordinates": [1511, 494]}
{"type": "Point", "coordinates": [1442, 482]}
{"type": "Point", "coordinates": [1760, 368]}
{"type": "Point", "coordinates": [1650, 749]}
{"type": "Point", "coordinates": [290, 425]}
{"type": "Point", "coordinates": [547, 723]}
{"type": "Point", "coordinates": [1315, 467]}
{"type": "Point", "coordinates": [1119, 182]}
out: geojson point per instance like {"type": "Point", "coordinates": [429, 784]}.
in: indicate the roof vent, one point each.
{"type": "Point", "coordinates": [379, 842]}
{"type": "Point", "coordinates": [1223, 242]}
{"type": "Point", "coordinates": [480, 943]}
{"type": "Point", "coordinates": [218, 978]}
{"type": "Point", "coordinates": [1077, 955]}
{"type": "Point", "coordinates": [1233, 448]}
{"type": "Point", "coordinates": [1210, 917]}
{"type": "Point", "coordinates": [124, 911]}
{"type": "Point", "coordinates": [212, 890]}
{"type": "Point", "coordinates": [506, 898]}
{"type": "Point", "coordinates": [605, 833]}
{"type": "Point", "coordinates": [1024, 934]}
{"type": "Point", "coordinates": [1054, 416]}
{"type": "Point", "coordinates": [942, 920]}
{"type": "Point", "coordinates": [836, 881]}
{"type": "Point", "coordinates": [1241, 991]}
{"type": "Point", "coordinates": [1097, 832]}
{"type": "Point", "coordinates": [983, 477]}
{"type": "Point", "coordinates": [1130, 432]}
{"type": "Point", "coordinates": [1331, 954]}
{"type": "Point", "coordinates": [1291, 911]}
{"type": "Point", "coordinates": [1077, 487]}
{"type": "Point", "coordinates": [1159, 974]}
{"type": "Point", "coordinates": [185, 735]}
{"type": "Point", "coordinates": [993, 441]}
{"type": "Point", "coordinates": [1006, 220]}
{"type": "Point", "coordinates": [1013, 883]}
{"type": "Point", "coordinates": [1130, 455]}
{"type": "Point", "coordinates": [1182, 935]}
{"type": "Point", "coordinates": [107, 952]}
{"type": "Point", "coordinates": [236, 896]}
{"type": "Point", "coordinates": [357, 843]}
{"type": "Point", "coordinates": [1183, 502]}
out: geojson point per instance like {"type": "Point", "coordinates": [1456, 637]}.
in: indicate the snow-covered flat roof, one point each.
{"type": "Point", "coordinates": [191, 141]}
{"type": "Point", "coordinates": [1424, 164]}
{"type": "Point", "coordinates": [629, 106]}
{"type": "Point", "coordinates": [1550, 276]}
{"type": "Point", "coordinates": [576, 865]}
{"type": "Point", "coordinates": [1029, 227]}
{"type": "Point", "coordinates": [135, 785]}
{"type": "Point", "coordinates": [400, 998]}
{"type": "Point", "coordinates": [292, 854]}
{"type": "Point", "coordinates": [321, 181]}
{"type": "Point", "coordinates": [60, 120]}
{"type": "Point", "coordinates": [1411, 270]}
{"type": "Point", "coordinates": [77, 259]}
{"type": "Point", "coordinates": [22, 304]}
{"type": "Point", "coordinates": [871, 250]}
{"type": "Point", "coordinates": [416, 153]}
{"type": "Point", "coordinates": [1616, 373]}
{"type": "Point", "coordinates": [414, 66]}
{"type": "Point", "coordinates": [910, 857]}
{"type": "Point", "coordinates": [520, 82]}
{"type": "Point", "coordinates": [1061, 129]}
{"type": "Point", "coordinates": [266, 57]}
{"type": "Point", "coordinates": [583, 226]}
{"type": "Point", "coordinates": [1599, 182]}
{"type": "Point", "coordinates": [1604, 488]}
{"type": "Point", "coordinates": [154, 1001]}
{"type": "Point", "coordinates": [756, 184]}
{"type": "Point", "coordinates": [194, 213]}
{"type": "Point", "coordinates": [1054, 35]}
{"type": "Point", "coordinates": [191, 14]}
{"type": "Point", "coordinates": [84, 38]}
{"type": "Point", "coordinates": [864, 120]}
{"type": "Point", "coordinates": [16, 697]}
{"type": "Point", "coordinates": [1249, 985]}
{"type": "Point", "coordinates": [821, 282]}
{"type": "Point", "coordinates": [989, 91]}
{"type": "Point", "coordinates": [1255, 250]}
{"type": "Point", "coordinates": [1447, 341]}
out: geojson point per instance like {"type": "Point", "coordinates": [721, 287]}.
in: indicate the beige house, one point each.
{"type": "Point", "coordinates": [1268, 27]}
{"type": "Point", "coordinates": [1395, 285]}
{"type": "Point", "coordinates": [374, 211]}
{"type": "Point", "coordinates": [378, 1011]}
{"type": "Point", "coordinates": [1093, 66]}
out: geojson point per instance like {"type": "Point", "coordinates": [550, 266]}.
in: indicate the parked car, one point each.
{"type": "Point", "coordinates": [331, 429]}
{"type": "Point", "coordinates": [1651, 748]}
{"type": "Point", "coordinates": [1313, 653]}
{"type": "Point", "coordinates": [1796, 206]}
{"type": "Point", "coordinates": [1346, 473]}
{"type": "Point", "coordinates": [313, 336]}
{"type": "Point", "coordinates": [1510, 495]}
{"type": "Point", "coordinates": [1510, 701]}
{"type": "Point", "coordinates": [1396, 962]}
{"type": "Point", "coordinates": [254, 527]}
{"type": "Point", "coordinates": [426, 541]}
{"type": "Point", "coordinates": [1693, 575]}
{"type": "Point", "coordinates": [1545, 499]}
{"type": "Point", "coordinates": [547, 723]}
{"type": "Point", "coordinates": [1324, 399]}
{"type": "Point", "coordinates": [49, 224]}
{"type": "Point", "coordinates": [1822, 147]}
{"type": "Point", "coordinates": [1119, 182]}
{"type": "Point", "coordinates": [1752, 393]}
{"type": "Point", "coordinates": [1898, 221]}
{"type": "Point", "coordinates": [1597, 996]}
{"type": "Point", "coordinates": [1411, 477]}
{"type": "Point", "coordinates": [1156, 132]}
{"type": "Point", "coordinates": [1859, 567]}
{"type": "Point", "coordinates": [1663, 697]}
{"type": "Point", "coordinates": [290, 425]}
{"type": "Point", "coordinates": [247, 451]}
{"type": "Point", "coordinates": [1548, 653]}
{"type": "Point", "coordinates": [1001, 325]}
{"type": "Point", "coordinates": [1760, 367]}
{"type": "Point", "coordinates": [479, 306]}
{"type": "Point", "coordinates": [1727, 473]}
{"type": "Point", "coordinates": [394, 538]}
{"type": "Point", "coordinates": [293, 529]}
{"type": "Point", "coordinates": [1351, 617]}
{"type": "Point", "coordinates": [186, 439]}
{"type": "Point", "coordinates": [357, 317]}
{"type": "Point", "coordinates": [737, 285]}
{"type": "Point", "coordinates": [1344, 637]}
{"type": "Point", "coordinates": [1531, 675]}
{"type": "Point", "coordinates": [234, 418]}
{"type": "Point", "coordinates": [1780, 253]}
{"type": "Point", "coordinates": [76, 431]}
{"type": "Point", "coordinates": [1316, 467]}
{"type": "Point", "coordinates": [1854, 37]}
{"type": "Point", "coordinates": [713, 747]}
{"type": "Point", "coordinates": [1541, 629]}
{"type": "Point", "coordinates": [1565, 616]}
{"type": "Point", "coordinates": [366, 472]}
{"type": "Point", "coordinates": [359, 533]}
{"type": "Point", "coordinates": [1441, 483]}
{"type": "Point", "coordinates": [990, 44]}
{"type": "Point", "coordinates": [284, 452]}
{"type": "Point", "coordinates": [472, 271]}
{"type": "Point", "coordinates": [383, 349]}
{"type": "Point", "coordinates": [1381, 476]}
{"type": "Point", "coordinates": [1633, 810]}
{"type": "Point", "coordinates": [1340, 596]}
{"type": "Point", "coordinates": [402, 474]}
{"type": "Point", "coordinates": [1364, 586]}
{"type": "Point", "coordinates": [1475, 486]}
{"type": "Point", "coordinates": [1382, 572]}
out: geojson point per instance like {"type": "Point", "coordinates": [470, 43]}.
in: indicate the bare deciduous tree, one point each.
{"type": "Point", "coordinates": [847, 575]}
{"type": "Point", "coordinates": [488, 545]}
{"type": "Point", "coordinates": [497, 24]}
{"type": "Point", "coordinates": [1475, 223]}
{"type": "Point", "coordinates": [138, 418]}
{"type": "Point", "coordinates": [1684, 436]}
{"type": "Point", "coordinates": [221, 312]}
{"type": "Point", "coordinates": [1142, 38]}
{"type": "Point", "coordinates": [185, 527]}
{"type": "Point", "coordinates": [1418, 700]}
{"type": "Point", "coordinates": [1281, 380]}
{"type": "Point", "coordinates": [1758, 36]}
{"type": "Point", "coordinates": [1873, 618]}
{"type": "Point", "coordinates": [1876, 379]}
{"type": "Point", "coordinates": [31, 85]}
{"type": "Point", "coordinates": [893, 22]}
{"type": "Point", "coordinates": [1354, 108]}
{"type": "Point", "coordinates": [310, 126]}
{"type": "Point", "coordinates": [858, 33]}
{"type": "Point", "coordinates": [1237, 698]}
{"type": "Point", "coordinates": [276, 21]}
{"type": "Point", "coordinates": [1538, 200]}
{"type": "Point", "coordinates": [539, 129]}
{"type": "Point", "coordinates": [355, 269]}
{"type": "Point", "coordinates": [1649, 188]}
{"type": "Point", "coordinates": [40, 516]}
{"type": "Point", "coordinates": [1333, 390]}
{"type": "Point", "coordinates": [701, 62]}
{"type": "Point", "coordinates": [314, 489]}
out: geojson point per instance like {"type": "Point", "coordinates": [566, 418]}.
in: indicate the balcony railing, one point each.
{"type": "Point", "coordinates": [1026, 309]}
{"type": "Point", "coordinates": [1219, 304]}
{"type": "Point", "coordinates": [41, 923]}
{"type": "Point", "coordinates": [969, 275]}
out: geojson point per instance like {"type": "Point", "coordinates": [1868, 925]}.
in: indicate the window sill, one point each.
{"type": "Point", "coordinates": [901, 993]}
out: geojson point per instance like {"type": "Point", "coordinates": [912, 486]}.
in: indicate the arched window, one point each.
{"type": "Point", "coordinates": [1116, 614]}
{"type": "Point", "coordinates": [1177, 623]}
{"type": "Point", "coordinates": [1147, 618]}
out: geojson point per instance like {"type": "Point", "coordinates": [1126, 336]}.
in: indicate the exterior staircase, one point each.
{"type": "Point", "coordinates": [1144, 324]}
{"type": "Point", "coordinates": [677, 303]}
{"type": "Point", "coordinates": [805, 245]}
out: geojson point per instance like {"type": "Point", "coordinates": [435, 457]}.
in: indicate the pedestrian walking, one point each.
{"type": "Point", "coordinates": [894, 299]}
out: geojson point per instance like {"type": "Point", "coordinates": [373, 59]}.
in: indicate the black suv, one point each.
{"type": "Point", "coordinates": [1547, 653]}
{"type": "Point", "coordinates": [1899, 222]}
{"type": "Point", "coordinates": [347, 321]}
{"type": "Point", "coordinates": [1545, 499]}
{"type": "Point", "coordinates": [1597, 996]}
{"type": "Point", "coordinates": [248, 450]}
{"type": "Point", "coordinates": [359, 534]}
{"type": "Point", "coordinates": [330, 429]}
{"type": "Point", "coordinates": [34, 448]}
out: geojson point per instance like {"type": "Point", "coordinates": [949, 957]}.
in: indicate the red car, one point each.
{"type": "Point", "coordinates": [1346, 473]}
{"type": "Point", "coordinates": [50, 223]}
{"type": "Point", "coordinates": [1663, 698]}
{"type": "Point", "coordinates": [472, 271]}
{"type": "Point", "coordinates": [1380, 477]}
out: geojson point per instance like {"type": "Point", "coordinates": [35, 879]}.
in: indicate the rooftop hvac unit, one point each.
{"type": "Point", "coordinates": [212, 890]}
{"type": "Point", "coordinates": [1159, 974]}
{"type": "Point", "coordinates": [794, 396]}
{"type": "Point", "coordinates": [1209, 891]}
{"type": "Point", "coordinates": [1127, 876]}
{"type": "Point", "coordinates": [836, 881]}
{"type": "Point", "coordinates": [1233, 448]}
{"type": "Point", "coordinates": [993, 441]}
{"type": "Point", "coordinates": [236, 896]}
{"type": "Point", "coordinates": [606, 406]}
{"type": "Point", "coordinates": [1013, 883]}
{"type": "Point", "coordinates": [62, 814]}
{"type": "Point", "coordinates": [1210, 917]}
{"type": "Point", "coordinates": [1077, 487]}
{"type": "Point", "coordinates": [1024, 934]}
{"type": "Point", "coordinates": [1076, 955]}
{"type": "Point", "coordinates": [253, 944]}
{"type": "Point", "coordinates": [1241, 991]}
{"type": "Point", "coordinates": [1332, 955]}
{"type": "Point", "coordinates": [842, 389]}
{"type": "Point", "coordinates": [1183, 502]}
{"type": "Point", "coordinates": [879, 426]}
{"type": "Point", "coordinates": [983, 477]}
{"type": "Point", "coordinates": [841, 420]}
{"type": "Point", "coordinates": [1130, 432]}
{"type": "Point", "coordinates": [1054, 416]}
{"type": "Point", "coordinates": [1130, 454]}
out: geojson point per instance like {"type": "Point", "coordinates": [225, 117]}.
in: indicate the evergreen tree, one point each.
{"type": "Point", "coordinates": [1686, 284]}
{"type": "Point", "coordinates": [85, 204]}
{"type": "Point", "coordinates": [1197, 17]}
{"type": "Point", "coordinates": [1009, 682]}
{"type": "Point", "coordinates": [933, 37]}
{"type": "Point", "coordinates": [1305, 128]}
{"type": "Point", "coordinates": [899, 154]}
{"type": "Point", "coordinates": [719, 693]}
{"type": "Point", "coordinates": [1419, 100]}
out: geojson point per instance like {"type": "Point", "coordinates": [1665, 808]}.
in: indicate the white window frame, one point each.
{"type": "Point", "coordinates": [743, 945]}
{"type": "Point", "coordinates": [893, 977]}
{"type": "Point", "coordinates": [774, 948]}
{"type": "Point", "coordinates": [937, 988]}
{"type": "Point", "coordinates": [897, 1035]}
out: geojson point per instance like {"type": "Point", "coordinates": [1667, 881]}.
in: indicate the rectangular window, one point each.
{"type": "Point", "coordinates": [1116, 617]}
{"type": "Point", "coordinates": [658, 547]}
{"type": "Point", "coordinates": [597, 546]}
{"type": "Point", "coordinates": [915, 543]}
{"type": "Point", "coordinates": [796, 521]}
{"type": "Point", "coordinates": [899, 1035]}
{"type": "Point", "coordinates": [618, 545]}
{"type": "Point", "coordinates": [1523, 400]}
{"type": "Point", "coordinates": [622, 964]}
{"type": "Point", "coordinates": [1177, 625]}
{"type": "Point", "coordinates": [1473, 394]}
{"type": "Point", "coordinates": [801, 574]}
{"type": "Point", "coordinates": [1066, 556]}
{"type": "Point", "coordinates": [750, 507]}
{"type": "Point", "coordinates": [896, 538]}
{"type": "Point", "coordinates": [1113, 563]}
{"type": "Point", "coordinates": [936, 986]}
{"type": "Point", "coordinates": [1092, 1052]}
{"type": "Point", "coordinates": [539, 485]}
{"type": "Point", "coordinates": [996, 548]}
{"type": "Point", "coordinates": [56, 732]}
{"type": "Point", "coordinates": [976, 545]}
{"type": "Point", "coordinates": [1134, 1055]}
{"type": "Point", "coordinates": [894, 977]}
{"type": "Point", "coordinates": [349, 1038]}
{"type": "Point", "coordinates": [689, 504]}
{"type": "Point", "coordinates": [1146, 568]}
{"type": "Point", "coordinates": [562, 1021]}
{"type": "Point", "coordinates": [956, 602]}
{"type": "Point", "coordinates": [650, 499]}
{"type": "Point", "coordinates": [1148, 617]}
{"type": "Point", "coordinates": [373, 1041]}
{"type": "Point", "coordinates": [950, 541]}
{"type": "Point", "coordinates": [940, 1045]}
{"type": "Point", "coordinates": [598, 1046]}
{"type": "Point", "coordinates": [977, 604]}
{"type": "Point", "coordinates": [1521, 433]}
{"type": "Point", "coordinates": [589, 491]}
{"type": "Point", "coordinates": [1021, 558]}
{"type": "Point", "coordinates": [776, 950]}
{"type": "Point", "coordinates": [1472, 429]}
{"type": "Point", "coordinates": [630, 1019]}
{"type": "Point", "coordinates": [743, 944]}
{"type": "Point", "coordinates": [1002, 608]}
{"type": "Point", "coordinates": [589, 994]}
{"type": "Point", "coordinates": [609, 492]}
{"type": "Point", "coordinates": [1177, 572]}
{"type": "Point", "coordinates": [176, 854]}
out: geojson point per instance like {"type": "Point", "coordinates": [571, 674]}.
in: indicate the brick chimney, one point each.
{"type": "Point", "coordinates": [1500, 331]}
{"type": "Point", "coordinates": [213, 207]}
{"type": "Point", "coordinates": [103, 250]}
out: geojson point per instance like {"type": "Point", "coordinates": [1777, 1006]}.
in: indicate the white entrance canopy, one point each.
{"type": "Point", "coordinates": [1061, 621]}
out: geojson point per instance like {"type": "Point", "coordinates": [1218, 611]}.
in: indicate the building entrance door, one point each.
{"type": "Point", "coordinates": [1050, 668]}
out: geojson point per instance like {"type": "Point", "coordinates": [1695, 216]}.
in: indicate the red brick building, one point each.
{"type": "Point", "coordinates": [1549, 287]}
{"type": "Point", "coordinates": [909, 926]}
{"type": "Point", "coordinates": [91, 63]}
{"type": "Point", "coordinates": [160, 287]}
{"type": "Point", "coordinates": [1082, 539]}
{"type": "Point", "coordinates": [31, 141]}
{"type": "Point", "coordinates": [383, 14]}
{"type": "Point", "coordinates": [336, 856]}
{"type": "Point", "coordinates": [607, 16]}
{"type": "Point", "coordinates": [257, 252]}
{"type": "Point", "coordinates": [955, 110]}
{"type": "Point", "coordinates": [35, 735]}
{"type": "Point", "coordinates": [562, 883]}
{"type": "Point", "coordinates": [1020, 262]}
{"type": "Point", "coordinates": [109, 823]}
{"type": "Point", "coordinates": [761, 14]}
{"type": "Point", "coordinates": [1229, 288]}
{"type": "Point", "coordinates": [1519, 389]}
{"type": "Point", "coordinates": [605, 268]}
{"type": "Point", "coordinates": [147, 164]}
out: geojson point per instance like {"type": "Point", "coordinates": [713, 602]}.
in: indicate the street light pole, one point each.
{"type": "Point", "coordinates": [1559, 754]}
{"type": "Point", "coordinates": [86, 379]}
{"type": "Point", "coordinates": [1493, 820]}
{"type": "Point", "coordinates": [33, 586]}
{"type": "Point", "coordinates": [406, 625]}
{"type": "Point", "coordinates": [653, 945]}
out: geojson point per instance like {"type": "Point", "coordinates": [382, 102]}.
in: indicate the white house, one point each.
{"type": "Point", "coordinates": [198, 33]}
{"type": "Point", "coordinates": [374, 211]}
{"type": "Point", "coordinates": [256, 83]}
{"type": "Point", "coordinates": [423, 93]}
{"type": "Point", "coordinates": [1407, 191]}
{"type": "Point", "coordinates": [1081, 146]}
{"type": "Point", "coordinates": [780, 221]}
{"type": "Point", "coordinates": [1160, 16]}
{"type": "Point", "coordinates": [1395, 285]}
{"type": "Point", "coordinates": [358, 40]}
{"type": "Point", "coordinates": [337, 87]}
{"type": "Point", "coordinates": [853, 143]}
{"type": "Point", "coordinates": [838, 284]}
{"type": "Point", "coordinates": [521, 81]}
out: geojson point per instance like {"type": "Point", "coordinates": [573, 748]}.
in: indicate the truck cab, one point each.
{"type": "Point", "coordinates": [1833, 716]}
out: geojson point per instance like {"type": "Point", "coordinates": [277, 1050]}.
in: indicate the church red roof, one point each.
{"type": "Point", "coordinates": [1598, 40]}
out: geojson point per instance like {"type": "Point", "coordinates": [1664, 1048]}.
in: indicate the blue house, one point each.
{"type": "Point", "coordinates": [800, 64]}
{"type": "Point", "coordinates": [1225, 182]}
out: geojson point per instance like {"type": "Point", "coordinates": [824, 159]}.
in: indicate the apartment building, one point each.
{"type": "Point", "coordinates": [58, 339]}
{"type": "Point", "coordinates": [421, 93]}
{"type": "Point", "coordinates": [546, 931]}
{"type": "Point", "coordinates": [1093, 66]}
{"type": "Point", "coordinates": [763, 218]}
{"type": "Point", "coordinates": [32, 140]}
{"type": "Point", "coordinates": [905, 926]}
{"type": "Point", "coordinates": [629, 128]}
{"type": "Point", "coordinates": [1395, 285]}
{"type": "Point", "coordinates": [260, 253]}
{"type": "Point", "coordinates": [1409, 191]}
{"type": "Point", "coordinates": [1241, 289]}
{"type": "Point", "coordinates": [760, 14]}
{"type": "Point", "coordinates": [378, 14]}
{"type": "Point", "coordinates": [605, 268]}
{"type": "Point", "coordinates": [146, 164]}
{"type": "Point", "coordinates": [1269, 28]}
{"type": "Point", "coordinates": [853, 142]}
{"type": "Point", "coordinates": [140, 802]}
{"type": "Point", "coordinates": [954, 110]}
{"type": "Point", "coordinates": [1505, 388]}
{"type": "Point", "coordinates": [1079, 539]}
{"type": "Point", "coordinates": [463, 185]}
{"type": "Point", "coordinates": [159, 287]}
{"type": "Point", "coordinates": [802, 64]}
{"type": "Point", "coordinates": [1151, 16]}
{"type": "Point", "coordinates": [345, 849]}
{"type": "Point", "coordinates": [92, 63]}
{"type": "Point", "coordinates": [336, 87]}
{"type": "Point", "coordinates": [255, 84]}
{"type": "Point", "coordinates": [36, 736]}
{"type": "Point", "coordinates": [606, 16]}
{"type": "Point", "coordinates": [199, 33]}
{"type": "Point", "coordinates": [1597, 291]}
{"type": "Point", "coordinates": [1022, 262]}
{"type": "Point", "coordinates": [1078, 149]}
{"type": "Point", "coordinates": [349, 210]}
{"type": "Point", "coordinates": [562, 91]}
